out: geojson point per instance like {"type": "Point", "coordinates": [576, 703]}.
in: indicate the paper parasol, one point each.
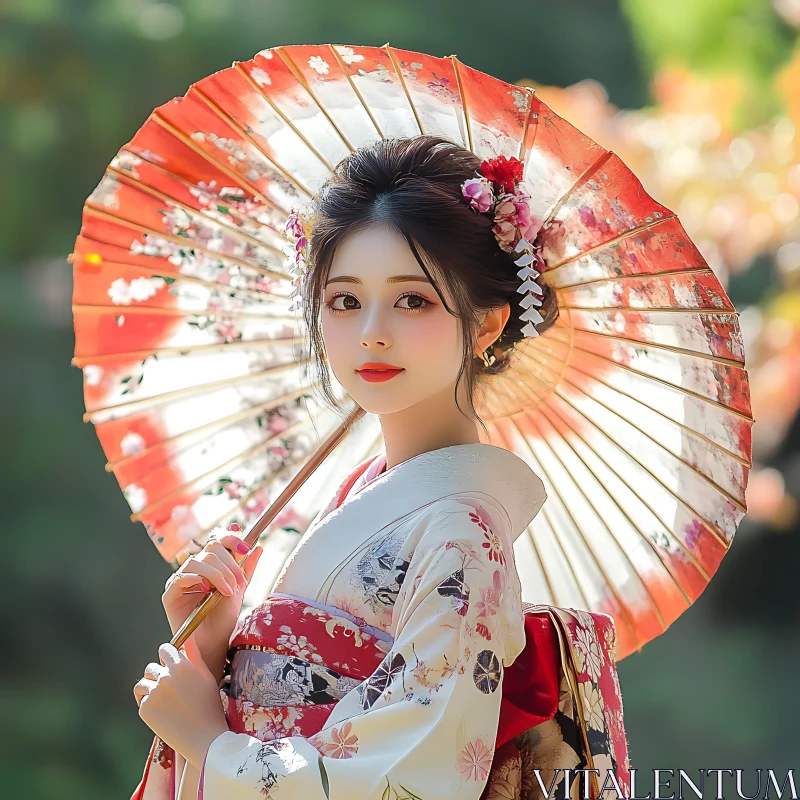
{"type": "Point", "coordinates": [633, 409]}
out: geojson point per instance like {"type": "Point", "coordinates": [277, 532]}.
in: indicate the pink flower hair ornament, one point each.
{"type": "Point", "coordinates": [297, 230]}
{"type": "Point", "coordinates": [497, 192]}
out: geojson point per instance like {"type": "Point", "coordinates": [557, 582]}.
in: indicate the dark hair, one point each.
{"type": "Point", "coordinates": [413, 186]}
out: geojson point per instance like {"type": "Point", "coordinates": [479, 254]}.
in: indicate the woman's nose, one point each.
{"type": "Point", "coordinates": [374, 341]}
{"type": "Point", "coordinates": [374, 333]}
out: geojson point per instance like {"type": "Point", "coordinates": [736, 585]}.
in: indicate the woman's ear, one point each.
{"type": "Point", "coordinates": [491, 327]}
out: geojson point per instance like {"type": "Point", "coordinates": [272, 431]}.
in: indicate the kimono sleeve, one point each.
{"type": "Point", "coordinates": [424, 723]}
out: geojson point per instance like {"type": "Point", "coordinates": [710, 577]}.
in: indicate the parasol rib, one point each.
{"type": "Point", "coordinates": [220, 423]}
{"type": "Point", "coordinates": [126, 178]}
{"type": "Point", "coordinates": [298, 75]}
{"type": "Point", "coordinates": [230, 122]}
{"type": "Point", "coordinates": [548, 409]}
{"type": "Point", "coordinates": [393, 59]}
{"type": "Point", "coordinates": [627, 618]}
{"type": "Point", "coordinates": [220, 468]}
{"type": "Point", "coordinates": [615, 240]}
{"type": "Point", "coordinates": [245, 218]}
{"type": "Point", "coordinates": [610, 528]}
{"type": "Point", "coordinates": [641, 276]}
{"type": "Point", "coordinates": [175, 277]}
{"type": "Point", "coordinates": [179, 312]}
{"type": "Point", "coordinates": [358, 94]}
{"type": "Point", "coordinates": [579, 181]}
{"type": "Point", "coordinates": [190, 391]}
{"type": "Point", "coordinates": [201, 612]}
{"type": "Point", "coordinates": [239, 179]}
{"type": "Point", "coordinates": [729, 497]}
{"type": "Point", "coordinates": [464, 104]}
{"type": "Point", "coordinates": [92, 210]}
{"type": "Point", "coordinates": [278, 113]}
{"type": "Point", "coordinates": [718, 533]}
{"type": "Point", "coordinates": [689, 430]}
{"type": "Point", "coordinates": [250, 344]}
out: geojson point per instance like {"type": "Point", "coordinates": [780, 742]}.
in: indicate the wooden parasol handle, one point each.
{"type": "Point", "coordinates": [204, 609]}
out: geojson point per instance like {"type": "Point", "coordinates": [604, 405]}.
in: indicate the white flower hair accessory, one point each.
{"type": "Point", "coordinates": [297, 230]}
{"type": "Point", "coordinates": [497, 192]}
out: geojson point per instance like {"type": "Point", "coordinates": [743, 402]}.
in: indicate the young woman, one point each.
{"type": "Point", "coordinates": [394, 657]}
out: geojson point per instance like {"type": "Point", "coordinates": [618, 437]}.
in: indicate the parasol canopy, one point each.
{"type": "Point", "coordinates": [633, 408]}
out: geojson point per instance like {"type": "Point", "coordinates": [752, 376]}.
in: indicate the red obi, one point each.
{"type": "Point", "coordinates": [292, 660]}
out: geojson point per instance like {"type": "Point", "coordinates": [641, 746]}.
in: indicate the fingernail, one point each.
{"type": "Point", "coordinates": [206, 585]}
{"type": "Point", "coordinates": [235, 527]}
{"type": "Point", "coordinates": [243, 547]}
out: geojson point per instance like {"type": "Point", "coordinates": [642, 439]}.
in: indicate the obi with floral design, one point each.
{"type": "Point", "coordinates": [395, 658]}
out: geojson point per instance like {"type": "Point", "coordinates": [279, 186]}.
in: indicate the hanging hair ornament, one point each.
{"type": "Point", "coordinates": [497, 192]}
{"type": "Point", "coordinates": [297, 230]}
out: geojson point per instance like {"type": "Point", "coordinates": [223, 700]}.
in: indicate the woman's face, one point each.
{"type": "Point", "coordinates": [378, 306]}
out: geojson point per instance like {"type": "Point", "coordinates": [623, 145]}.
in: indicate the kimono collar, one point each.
{"type": "Point", "coordinates": [478, 469]}
{"type": "Point", "coordinates": [473, 467]}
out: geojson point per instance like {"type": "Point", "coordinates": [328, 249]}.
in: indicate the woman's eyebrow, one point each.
{"type": "Point", "coordinates": [393, 279]}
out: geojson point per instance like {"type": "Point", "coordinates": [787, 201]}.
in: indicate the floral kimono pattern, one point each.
{"type": "Point", "coordinates": [409, 669]}
{"type": "Point", "coordinates": [586, 731]}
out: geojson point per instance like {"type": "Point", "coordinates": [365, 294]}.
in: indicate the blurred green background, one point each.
{"type": "Point", "coordinates": [700, 97]}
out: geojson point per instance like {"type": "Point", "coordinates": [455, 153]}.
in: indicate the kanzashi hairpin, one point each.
{"type": "Point", "coordinates": [297, 230]}
{"type": "Point", "coordinates": [497, 192]}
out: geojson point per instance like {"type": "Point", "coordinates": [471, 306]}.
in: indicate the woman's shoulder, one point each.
{"type": "Point", "coordinates": [463, 527]}
{"type": "Point", "coordinates": [464, 516]}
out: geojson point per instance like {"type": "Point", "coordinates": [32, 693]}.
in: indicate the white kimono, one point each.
{"type": "Point", "coordinates": [422, 557]}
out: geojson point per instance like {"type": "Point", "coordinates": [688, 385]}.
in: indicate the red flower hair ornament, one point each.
{"type": "Point", "coordinates": [496, 191]}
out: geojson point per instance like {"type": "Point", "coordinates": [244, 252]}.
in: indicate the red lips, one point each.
{"type": "Point", "coordinates": [377, 365]}
{"type": "Point", "coordinates": [374, 371]}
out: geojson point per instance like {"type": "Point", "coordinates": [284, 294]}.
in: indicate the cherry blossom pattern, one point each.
{"type": "Point", "coordinates": [93, 374]}
{"type": "Point", "coordinates": [268, 724]}
{"type": "Point", "coordinates": [475, 761]}
{"type": "Point", "coordinates": [297, 645]}
{"type": "Point", "coordinates": [343, 744]}
{"type": "Point", "coordinates": [487, 672]}
{"type": "Point", "coordinates": [138, 290]}
{"type": "Point", "coordinates": [132, 444]}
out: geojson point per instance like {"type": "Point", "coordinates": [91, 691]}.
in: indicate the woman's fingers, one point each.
{"type": "Point", "coordinates": [222, 549]}
{"type": "Point", "coordinates": [234, 543]}
{"type": "Point", "coordinates": [187, 581]}
{"type": "Point", "coordinates": [219, 558]}
{"type": "Point", "coordinates": [142, 689]}
{"type": "Point", "coordinates": [250, 563]}
{"type": "Point", "coordinates": [210, 568]}
{"type": "Point", "coordinates": [153, 670]}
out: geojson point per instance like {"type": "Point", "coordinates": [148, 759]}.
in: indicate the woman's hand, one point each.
{"type": "Point", "coordinates": [213, 566]}
{"type": "Point", "coordinates": [181, 703]}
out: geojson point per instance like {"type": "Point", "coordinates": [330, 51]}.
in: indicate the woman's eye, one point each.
{"type": "Point", "coordinates": [408, 302]}
{"type": "Point", "coordinates": [347, 302]}
{"type": "Point", "coordinates": [416, 302]}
